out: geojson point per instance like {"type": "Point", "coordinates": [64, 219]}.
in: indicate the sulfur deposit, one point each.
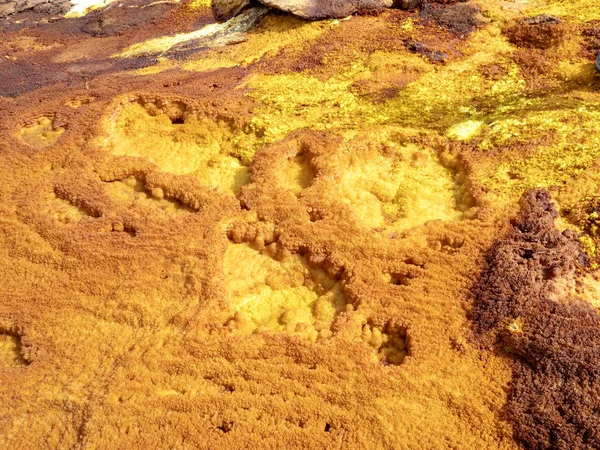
{"type": "Point", "coordinates": [299, 224]}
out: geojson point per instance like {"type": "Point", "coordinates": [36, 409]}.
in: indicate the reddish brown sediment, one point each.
{"type": "Point", "coordinates": [113, 264]}
{"type": "Point", "coordinates": [591, 34]}
{"type": "Point", "coordinates": [71, 52]}
{"type": "Point", "coordinates": [543, 31]}
{"type": "Point", "coordinates": [522, 307]}
{"type": "Point", "coordinates": [460, 18]}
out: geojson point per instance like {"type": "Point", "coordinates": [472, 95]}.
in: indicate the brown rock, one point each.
{"type": "Point", "coordinates": [226, 9]}
{"type": "Point", "coordinates": [52, 8]}
{"type": "Point", "coordinates": [554, 341]}
{"type": "Point", "coordinates": [7, 9]}
{"type": "Point", "coordinates": [462, 18]}
{"type": "Point", "coordinates": [543, 31]}
{"type": "Point", "coordinates": [49, 8]}
{"type": "Point", "coordinates": [114, 20]}
{"type": "Point", "coordinates": [591, 39]}
{"type": "Point", "coordinates": [407, 4]}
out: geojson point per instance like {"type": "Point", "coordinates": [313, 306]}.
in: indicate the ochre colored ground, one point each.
{"type": "Point", "coordinates": [293, 236]}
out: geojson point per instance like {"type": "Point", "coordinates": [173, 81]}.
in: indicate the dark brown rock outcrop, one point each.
{"type": "Point", "coordinates": [226, 9]}
{"type": "Point", "coordinates": [521, 307]}
{"type": "Point", "coordinates": [48, 7]}
{"type": "Point", "coordinates": [541, 32]}
{"type": "Point", "coordinates": [462, 18]}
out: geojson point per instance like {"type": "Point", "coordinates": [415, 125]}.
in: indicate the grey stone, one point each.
{"type": "Point", "coordinates": [231, 32]}
{"type": "Point", "coordinates": [7, 8]}
{"type": "Point", "coordinates": [327, 9]}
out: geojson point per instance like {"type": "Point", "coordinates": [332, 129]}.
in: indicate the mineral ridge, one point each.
{"type": "Point", "coordinates": [232, 226]}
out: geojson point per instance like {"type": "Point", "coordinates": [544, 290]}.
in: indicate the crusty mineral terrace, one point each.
{"type": "Point", "coordinates": [375, 230]}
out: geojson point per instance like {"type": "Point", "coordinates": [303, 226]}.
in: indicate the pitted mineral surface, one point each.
{"type": "Point", "coordinates": [374, 230]}
{"type": "Point", "coordinates": [523, 300]}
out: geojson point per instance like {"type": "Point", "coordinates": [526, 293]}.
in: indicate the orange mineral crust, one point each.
{"type": "Point", "coordinates": [366, 231]}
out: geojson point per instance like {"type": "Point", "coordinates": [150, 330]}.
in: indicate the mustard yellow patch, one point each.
{"type": "Point", "coordinates": [41, 133]}
{"type": "Point", "coordinates": [400, 192]}
{"type": "Point", "coordinates": [280, 295]}
{"type": "Point", "coordinates": [210, 150]}
{"type": "Point", "coordinates": [10, 351]}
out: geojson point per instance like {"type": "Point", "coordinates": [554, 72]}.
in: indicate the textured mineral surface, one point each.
{"type": "Point", "coordinates": [299, 224]}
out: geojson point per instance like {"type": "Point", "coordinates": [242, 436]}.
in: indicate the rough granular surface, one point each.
{"type": "Point", "coordinates": [521, 300]}
{"type": "Point", "coordinates": [376, 231]}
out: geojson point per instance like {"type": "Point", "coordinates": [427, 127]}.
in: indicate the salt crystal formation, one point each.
{"type": "Point", "coordinates": [299, 224]}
